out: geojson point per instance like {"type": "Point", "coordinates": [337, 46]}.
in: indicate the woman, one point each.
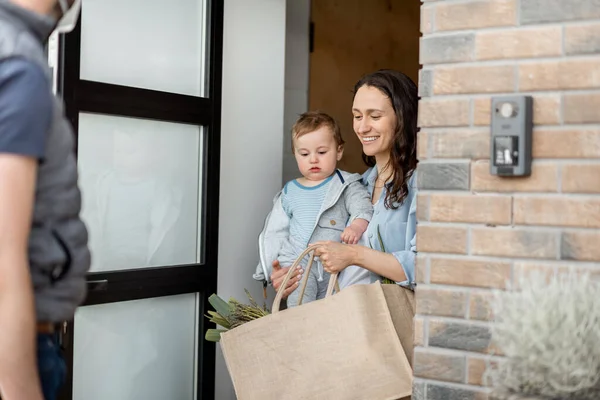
{"type": "Point", "coordinates": [385, 121]}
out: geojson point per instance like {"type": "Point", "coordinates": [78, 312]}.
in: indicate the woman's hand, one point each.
{"type": "Point", "coordinates": [279, 274]}
{"type": "Point", "coordinates": [335, 256]}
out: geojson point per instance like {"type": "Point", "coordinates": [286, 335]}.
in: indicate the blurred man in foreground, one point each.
{"type": "Point", "coordinates": [43, 243]}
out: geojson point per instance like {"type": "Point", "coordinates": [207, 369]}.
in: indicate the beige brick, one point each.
{"type": "Point", "coordinates": [546, 110]}
{"type": "Point", "coordinates": [442, 367]}
{"type": "Point", "coordinates": [467, 272]}
{"type": "Point", "coordinates": [581, 108]}
{"type": "Point", "coordinates": [525, 271]}
{"type": "Point", "coordinates": [419, 331]}
{"type": "Point", "coordinates": [582, 39]}
{"type": "Point", "coordinates": [422, 207]}
{"type": "Point", "coordinates": [422, 145]}
{"type": "Point", "coordinates": [421, 268]}
{"type": "Point", "coordinates": [566, 143]}
{"type": "Point", "coordinates": [543, 178]}
{"type": "Point", "coordinates": [476, 369]}
{"type": "Point", "coordinates": [581, 212]}
{"type": "Point", "coordinates": [461, 143]}
{"type": "Point", "coordinates": [581, 178]}
{"type": "Point", "coordinates": [441, 239]}
{"type": "Point", "coordinates": [441, 302]}
{"type": "Point", "coordinates": [480, 306]}
{"type": "Point", "coordinates": [427, 19]}
{"type": "Point", "coordinates": [580, 245]}
{"type": "Point", "coordinates": [557, 75]}
{"type": "Point", "coordinates": [437, 113]}
{"type": "Point", "coordinates": [478, 79]}
{"type": "Point", "coordinates": [514, 242]}
{"type": "Point", "coordinates": [475, 14]}
{"type": "Point", "coordinates": [540, 76]}
{"type": "Point", "coordinates": [482, 109]}
{"type": "Point", "coordinates": [470, 208]}
{"type": "Point", "coordinates": [522, 43]}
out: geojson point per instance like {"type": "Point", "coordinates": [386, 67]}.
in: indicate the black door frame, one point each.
{"type": "Point", "coordinates": [95, 97]}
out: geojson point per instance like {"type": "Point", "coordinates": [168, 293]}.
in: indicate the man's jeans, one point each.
{"type": "Point", "coordinates": [51, 365]}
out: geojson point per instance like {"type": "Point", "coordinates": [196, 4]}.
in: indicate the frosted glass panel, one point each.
{"type": "Point", "coordinates": [140, 186]}
{"type": "Point", "coordinates": [150, 44]}
{"type": "Point", "coordinates": [143, 349]}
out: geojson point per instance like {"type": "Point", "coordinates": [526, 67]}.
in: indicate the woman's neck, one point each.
{"type": "Point", "coordinates": [384, 170]}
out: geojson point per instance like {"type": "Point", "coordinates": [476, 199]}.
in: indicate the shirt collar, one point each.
{"type": "Point", "coordinates": [370, 177]}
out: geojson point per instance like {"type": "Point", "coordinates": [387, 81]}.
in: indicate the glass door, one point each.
{"type": "Point", "coordinates": [141, 80]}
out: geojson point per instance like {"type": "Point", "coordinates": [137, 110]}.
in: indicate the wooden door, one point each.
{"type": "Point", "coordinates": [351, 38]}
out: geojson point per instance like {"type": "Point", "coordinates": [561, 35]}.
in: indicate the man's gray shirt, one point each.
{"type": "Point", "coordinates": [33, 124]}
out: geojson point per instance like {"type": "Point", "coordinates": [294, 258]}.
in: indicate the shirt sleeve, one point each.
{"type": "Point", "coordinates": [407, 258]}
{"type": "Point", "coordinates": [358, 201]}
{"type": "Point", "coordinates": [285, 203]}
{"type": "Point", "coordinates": [25, 108]}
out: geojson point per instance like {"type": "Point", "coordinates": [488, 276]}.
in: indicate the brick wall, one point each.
{"type": "Point", "coordinates": [478, 231]}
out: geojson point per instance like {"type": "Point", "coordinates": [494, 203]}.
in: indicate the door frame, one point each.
{"type": "Point", "coordinates": [116, 100]}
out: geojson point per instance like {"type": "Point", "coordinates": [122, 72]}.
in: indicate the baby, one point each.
{"type": "Point", "coordinates": [315, 207]}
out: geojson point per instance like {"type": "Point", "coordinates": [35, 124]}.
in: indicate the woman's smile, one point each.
{"type": "Point", "coordinates": [369, 139]}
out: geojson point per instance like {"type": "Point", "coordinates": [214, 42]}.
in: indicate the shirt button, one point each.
{"type": "Point", "coordinates": [376, 212]}
{"type": "Point", "coordinates": [370, 235]}
{"type": "Point", "coordinates": [332, 222]}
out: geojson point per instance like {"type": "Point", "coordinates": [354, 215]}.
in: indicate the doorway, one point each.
{"type": "Point", "coordinates": [144, 97]}
{"type": "Point", "coordinates": [349, 39]}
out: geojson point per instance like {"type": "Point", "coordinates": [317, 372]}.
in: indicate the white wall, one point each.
{"type": "Point", "coordinates": [251, 143]}
{"type": "Point", "coordinates": [297, 67]}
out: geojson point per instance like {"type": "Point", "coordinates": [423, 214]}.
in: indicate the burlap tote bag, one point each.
{"type": "Point", "coordinates": [355, 344]}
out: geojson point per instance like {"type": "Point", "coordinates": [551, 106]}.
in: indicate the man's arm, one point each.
{"type": "Point", "coordinates": [25, 115]}
{"type": "Point", "coordinates": [18, 368]}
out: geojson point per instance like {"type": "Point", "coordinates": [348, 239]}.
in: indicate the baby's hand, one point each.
{"type": "Point", "coordinates": [351, 235]}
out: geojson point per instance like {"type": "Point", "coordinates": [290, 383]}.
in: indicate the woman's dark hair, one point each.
{"type": "Point", "coordinates": [403, 94]}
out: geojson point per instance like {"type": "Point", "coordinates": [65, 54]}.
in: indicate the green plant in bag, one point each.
{"type": "Point", "coordinates": [229, 315]}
